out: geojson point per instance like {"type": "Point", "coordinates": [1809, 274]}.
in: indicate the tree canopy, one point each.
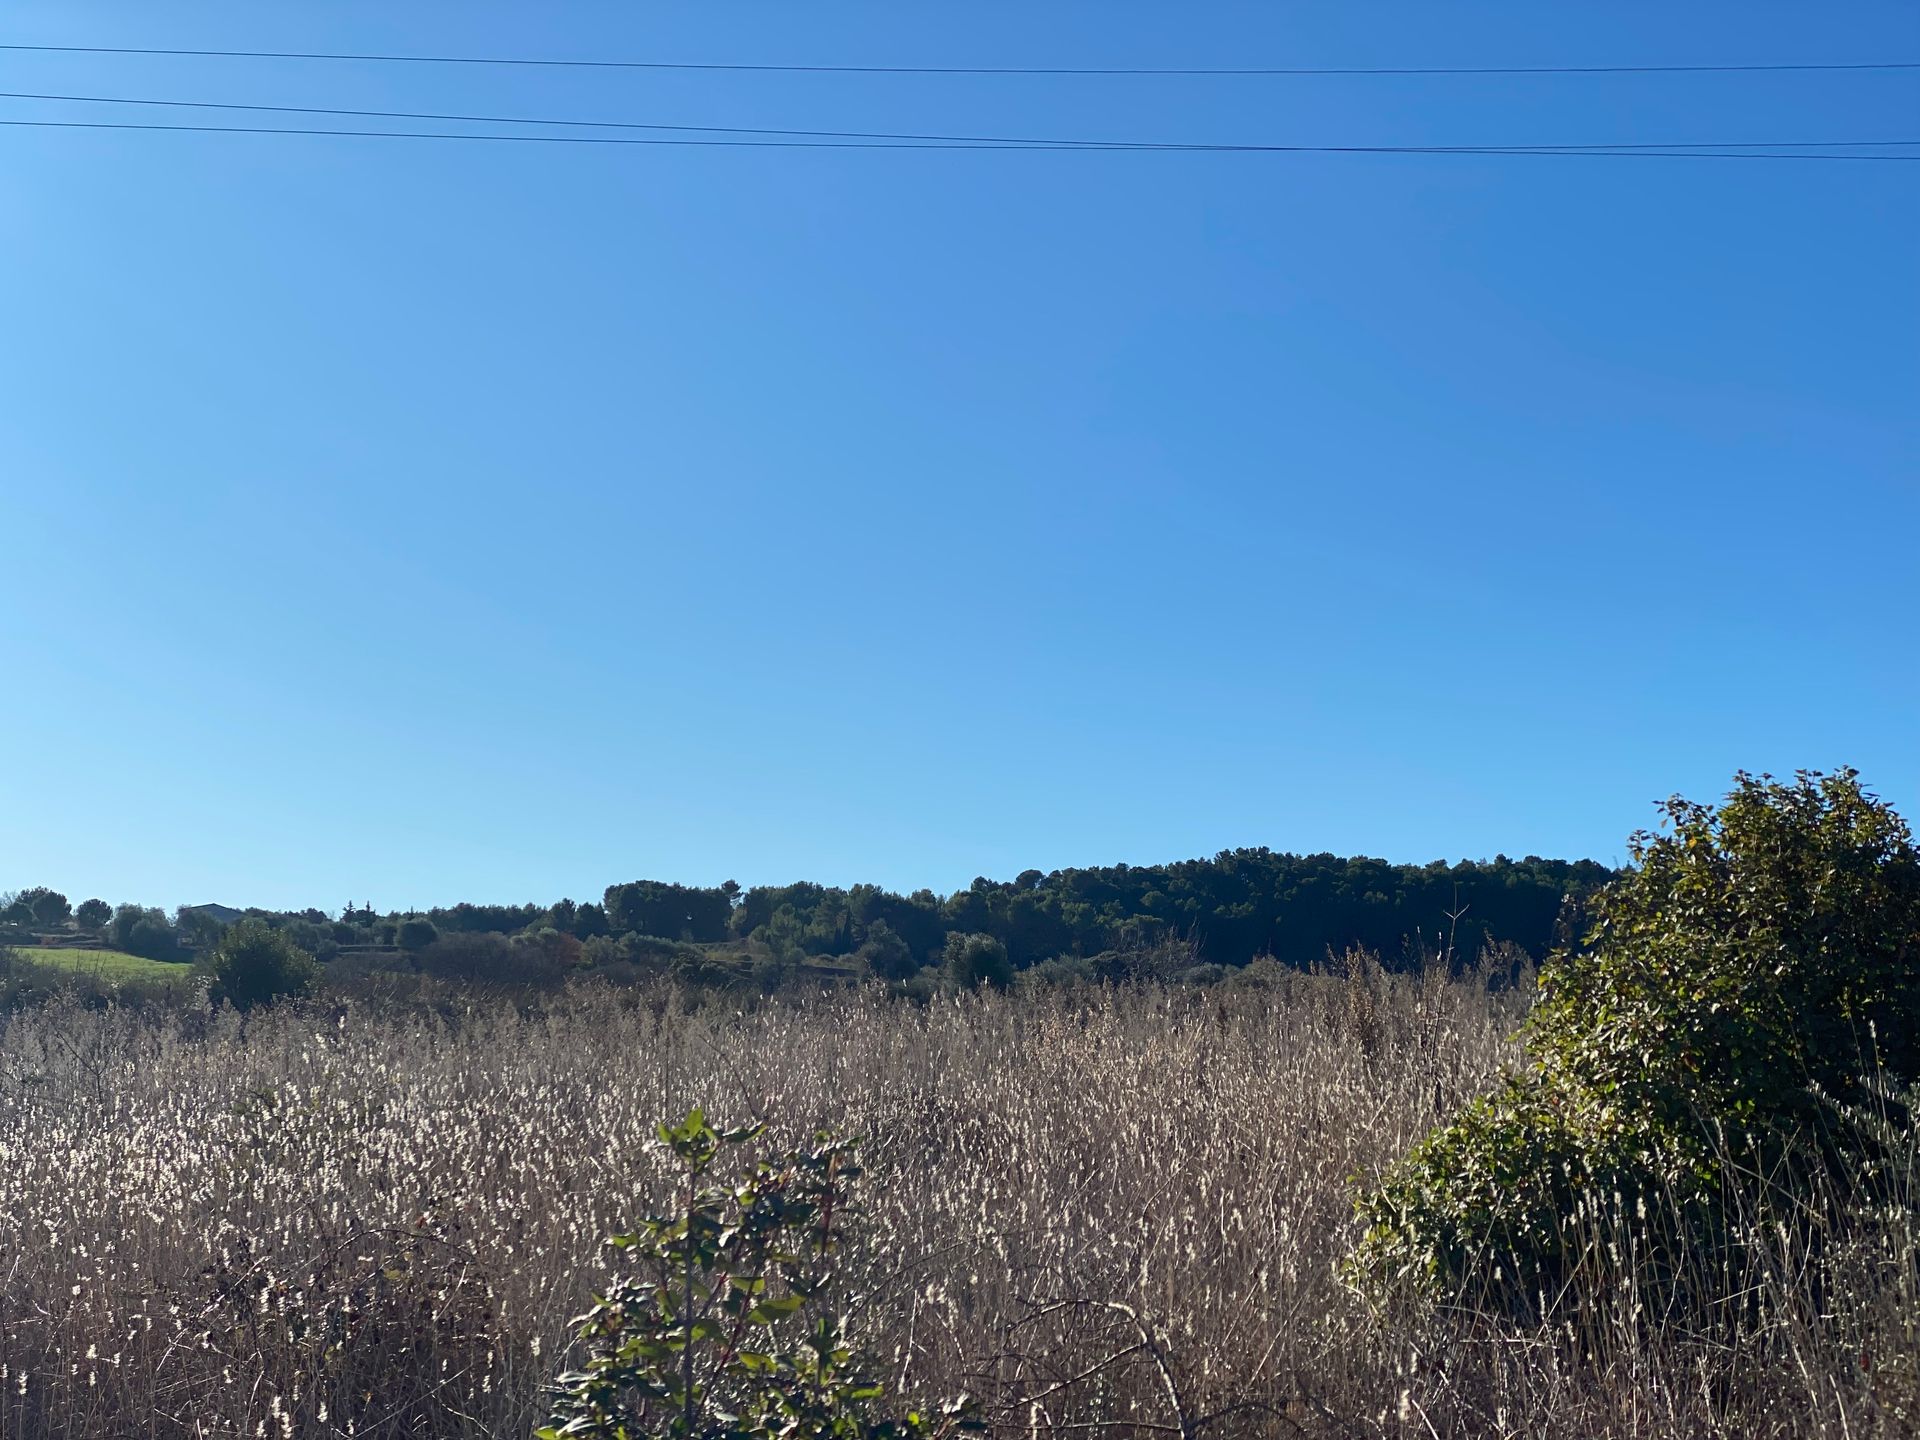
{"type": "Point", "coordinates": [1222, 912]}
{"type": "Point", "coordinates": [1238, 905]}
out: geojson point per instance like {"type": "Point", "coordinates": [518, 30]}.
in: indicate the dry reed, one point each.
{"type": "Point", "coordinates": [1108, 1212]}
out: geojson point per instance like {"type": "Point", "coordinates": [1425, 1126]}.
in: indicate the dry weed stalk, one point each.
{"type": "Point", "coordinates": [308, 1224]}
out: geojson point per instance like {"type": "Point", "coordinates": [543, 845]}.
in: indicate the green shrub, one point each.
{"type": "Point", "coordinates": [254, 964]}
{"type": "Point", "coordinates": [142, 931]}
{"type": "Point", "coordinates": [1739, 981]}
{"type": "Point", "coordinates": [415, 934]}
{"type": "Point", "coordinates": [728, 1325]}
{"type": "Point", "coordinates": [975, 960]}
{"type": "Point", "coordinates": [884, 954]}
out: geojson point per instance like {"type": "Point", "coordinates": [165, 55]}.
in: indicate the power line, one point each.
{"type": "Point", "coordinates": [1302, 71]}
{"type": "Point", "coordinates": [522, 139]}
{"type": "Point", "coordinates": [1008, 141]}
{"type": "Point", "coordinates": [1592, 152]}
{"type": "Point", "coordinates": [983, 140]}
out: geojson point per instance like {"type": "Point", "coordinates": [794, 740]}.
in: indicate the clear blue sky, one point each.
{"type": "Point", "coordinates": [415, 522]}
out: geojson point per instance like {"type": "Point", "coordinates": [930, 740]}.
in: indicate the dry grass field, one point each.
{"type": "Point", "coordinates": [331, 1223]}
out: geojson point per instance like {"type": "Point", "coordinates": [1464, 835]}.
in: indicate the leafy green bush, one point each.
{"type": "Point", "coordinates": [143, 931]}
{"type": "Point", "coordinates": [414, 934]}
{"type": "Point", "coordinates": [254, 964]}
{"type": "Point", "coordinates": [884, 954]}
{"type": "Point", "coordinates": [975, 960]}
{"type": "Point", "coordinates": [1738, 983]}
{"type": "Point", "coordinates": [727, 1327]}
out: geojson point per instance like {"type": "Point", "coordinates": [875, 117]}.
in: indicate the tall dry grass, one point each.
{"type": "Point", "coordinates": [1106, 1213]}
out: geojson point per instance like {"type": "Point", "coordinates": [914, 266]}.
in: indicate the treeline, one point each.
{"type": "Point", "coordinates": [1223, 912]}
{"type": "Point", "coordinates": [1240, 905]}
{"type": "Point", "coordinates": [28, 915]}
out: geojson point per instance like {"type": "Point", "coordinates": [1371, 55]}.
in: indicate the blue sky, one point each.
{"type": "Point", "coordinates": [416, 522]}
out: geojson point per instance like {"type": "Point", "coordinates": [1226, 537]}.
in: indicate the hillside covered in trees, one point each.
{"type": "Point", "coordinates": [1223, 912]}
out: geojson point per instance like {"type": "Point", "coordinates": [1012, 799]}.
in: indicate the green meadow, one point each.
{"type": "Point", "coordinates": [115, 965]}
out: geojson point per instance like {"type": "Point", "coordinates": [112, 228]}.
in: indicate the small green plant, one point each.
{"type": "Point", "coordinates": [254, 964]}
{"type": "Point", "coordinates": [727, 1326]}
{"type": "Point", "coordinates": [1740, 979]}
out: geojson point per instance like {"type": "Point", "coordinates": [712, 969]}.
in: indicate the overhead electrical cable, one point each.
{"type": "Point", "coordinates": [1789, 67]}
{"type": "Point", "coordinates": [1619, 152]}
{"type": "Point", "coordinates": [1008, 141]}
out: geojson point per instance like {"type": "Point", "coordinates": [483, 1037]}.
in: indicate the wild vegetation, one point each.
{"type": "Point", "coordinates": [729, 1321]}
{"type": "Point", "coordinates": [1125, 1209]}
{"type": "Point", "coordinates": [1747, 1005]}
{"type": "Point", "coordinates": [1666, 1187]}
{"type": "Point", "coordinates": [1198, 919]}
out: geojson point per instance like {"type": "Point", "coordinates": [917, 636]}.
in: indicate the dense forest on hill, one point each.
{"type": "Point", "coordinates": [1222, 912]}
